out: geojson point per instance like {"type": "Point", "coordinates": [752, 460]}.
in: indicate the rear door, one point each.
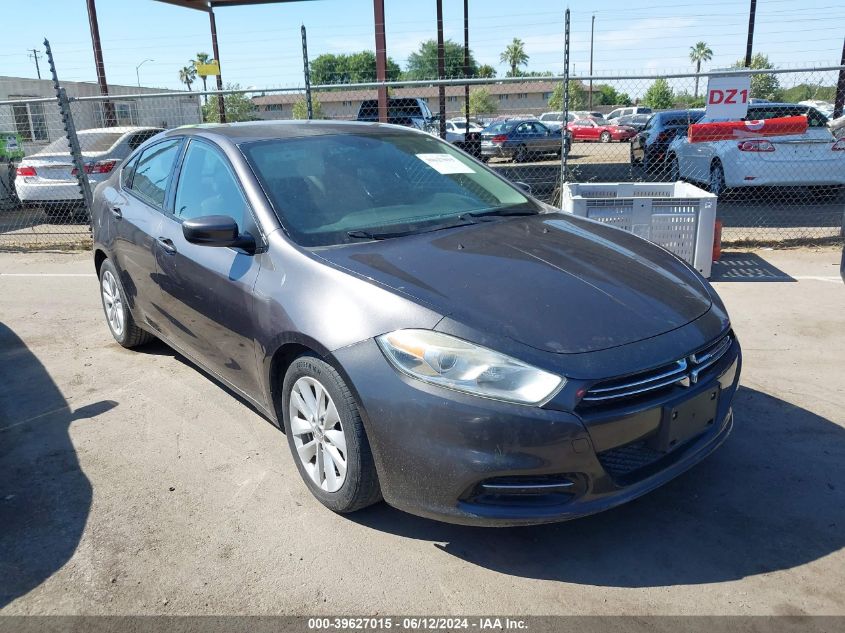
{"type": "Point", "coordinates": [136, 217]}
{"type": "Point", "coordinates": [205, 293]}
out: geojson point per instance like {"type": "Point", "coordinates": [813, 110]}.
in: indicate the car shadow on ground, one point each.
{"type": "Point", "coordinates": [746, 267]}
{"type": "Point", "coordinates": [771, 498]}
{"type": "Point", "coordinates": [45, 496]}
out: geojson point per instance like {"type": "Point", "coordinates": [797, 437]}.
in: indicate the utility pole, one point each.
{"type": "Point", "coordinates": [109, 119]}
{"type": "Point", "coordinates": [750, 43]}
{"type": "Point", "coordinates": [221, 103]}
{"type": "Point", "coordinates": [466, 69]}
{"type": "Point", "coordinates": [839, 104]}
{"type": "Point", "coordinates": [441, 69]}
{"type": "Point", "coordinates": [381, 58]}
{"type": "Point", "coordinates": [307, 74]}
{"type": "Point", "coordinates": [592, 32]}
{"type": "Point", "coordinates": [35, 55]}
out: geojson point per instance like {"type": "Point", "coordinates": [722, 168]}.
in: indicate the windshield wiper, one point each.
{"type": "Point", "coordinates": [386, 235]}
{"type": "Point", "coordinates": [502, 212]}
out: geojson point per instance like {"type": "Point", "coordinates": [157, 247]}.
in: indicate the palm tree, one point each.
{"type": "Point", "coordinates": [697, 54]}
{"type": "Point", "coordinates": [188, 75]}
{"type": "Point", "coordinates": [202, 58]}
{"type": "Point", "coordinates": [514, 55]}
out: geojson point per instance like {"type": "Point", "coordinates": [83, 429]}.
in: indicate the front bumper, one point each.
{"type": "Point", "coordinates": [446, 456]}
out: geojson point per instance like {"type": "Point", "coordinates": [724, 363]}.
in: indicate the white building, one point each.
{"type": "Point", "coordinates": [39, 122]}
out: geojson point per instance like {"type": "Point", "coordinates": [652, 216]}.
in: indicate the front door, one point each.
{"type": "Point", "coordinates": [136, 216]}
{"type": "Point", "coordinates": [206, 293]}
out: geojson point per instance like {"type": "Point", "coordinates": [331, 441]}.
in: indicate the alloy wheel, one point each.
{"type": "Point", "coordinates": [112, 303]}
{"type": "Point", "coordinates": [605, 137]}
{"type": "Point", "coordinates": [717, 180]}
{"type": "Point", "coordinates": [318, 434]}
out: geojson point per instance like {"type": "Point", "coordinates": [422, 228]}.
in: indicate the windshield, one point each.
{"type": "Point", "coordinates": [88, 142]}
{"type": "Point", "coordinates": [325, 187]}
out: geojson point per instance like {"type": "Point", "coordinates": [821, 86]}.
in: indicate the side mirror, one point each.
{"type": "Point", "coordinates": [524, 186]}
{"type": "Point", "coordinates": [216, 230]}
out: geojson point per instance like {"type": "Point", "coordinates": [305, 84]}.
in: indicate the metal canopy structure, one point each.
{"type": "Point", "coordinates": [208, 6]}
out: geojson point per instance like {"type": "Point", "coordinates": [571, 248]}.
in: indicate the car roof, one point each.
{"type": "Point", "coordinates": [119, 130]}
{"type": "Point", "coordinates": [268, 130]}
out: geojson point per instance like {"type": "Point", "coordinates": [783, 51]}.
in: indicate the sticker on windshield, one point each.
{"type": "Point", "coordinates": [445, 164]}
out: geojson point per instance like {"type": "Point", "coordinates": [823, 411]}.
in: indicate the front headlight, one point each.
{"type": "Point", "coordinates": [456, 364]}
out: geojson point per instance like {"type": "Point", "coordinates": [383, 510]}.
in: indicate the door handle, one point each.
{"type": "Point", "coordinates": [167, 245]}
{"type": "Point", "coordinates": [116, 212]}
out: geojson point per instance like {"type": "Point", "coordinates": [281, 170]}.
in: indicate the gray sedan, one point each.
{"type": "Point", "coordinates": [520, 140]}
{"type": "Point", "coordinates": [424, 331]}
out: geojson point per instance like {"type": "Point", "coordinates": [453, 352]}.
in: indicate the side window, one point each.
{"type": "Point", "coordinates": [207, 186]}
{"type": "Point", "coordinates": [153, 171]}
{"type": "Point", "coordinates": [128, 171]}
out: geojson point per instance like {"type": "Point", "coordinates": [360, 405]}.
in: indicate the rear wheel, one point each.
{"type": "Point", "coordinates": [327, 438]}
{"type": "Point", "coordinates": [605, 137]}
{"type": "Point", "coordinates": [717, 179]}
{"type": "Point", "coordinates": [521, 154]}
{"type": "Point", "coordinates": [118, 317]}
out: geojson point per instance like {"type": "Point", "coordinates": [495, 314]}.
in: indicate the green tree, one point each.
{"type": "Point", "coordinates": [480, 102]}
{"type": "Point", "coordinates": [486, 71]}
{"type": "Point", "coordinates": [188, 75]}
{"type": "Point", "coordinates": [697, 54]}
{"type": "Point", "coordinates": [423, 63]}
{"type": "Point", "coordinates": [659, 95]}
{"type": "Point", "coordinates": [688, 100]}
{"type": "Point", "coordinates": [300, 108]}
{"type": "Point", "coordinates": [238, 107]}
{"type": "Point", "coordinates": [763, 86]}
{"type": "Point", "coordinates": [609, 96]}
{"type": "Point", "coordinates": [577, 96]}
{"type": "Point", "coordinates": [802, 92]}
{"type": "Point", "coordinates": [353, 68]}
{"type": "Point", "coordinates": [202, 58]}
{"type": "Point", "coordinates": [514, 56]}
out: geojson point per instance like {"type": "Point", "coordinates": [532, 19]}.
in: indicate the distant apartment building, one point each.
{"type": "Point", "coordinates": [39, 122]}
{"type": "Point", "coordinates": [529, 97]}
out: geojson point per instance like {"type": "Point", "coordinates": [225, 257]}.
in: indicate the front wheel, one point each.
{"type": "Point", "coordinates": [327, 438]}
{"type": "Point", "coordinates": [118, 317]}
{"type": "Point", "coordinates": [605, 137]}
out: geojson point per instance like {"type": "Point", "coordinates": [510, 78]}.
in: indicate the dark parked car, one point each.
{"type": "Point", "coordinates": [407, 111]}
{"type": "Point", "coordinates": [648, 148]}
{"type": "Point", "coordinates": [423, 330]}
{"type": "Point", "coordinates": [636, 121]}
{"type": "Point", "coordinates": [521, 140]}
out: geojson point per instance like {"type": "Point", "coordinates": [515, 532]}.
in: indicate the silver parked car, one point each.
{"type": "Point", "coordinates": [48, 178]}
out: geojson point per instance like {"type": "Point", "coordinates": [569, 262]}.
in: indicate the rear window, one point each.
{"type": "Point", "coordinates": [88, 142]}
{"type": "Point", "coordinates": [500, 128]}
{"type": "Point", "coordinates": [814, 117]}
{"type": "Point", "coordinates": [678, 121]}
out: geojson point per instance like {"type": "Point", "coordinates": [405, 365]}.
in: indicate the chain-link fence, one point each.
{"type": "Point", "coordinates": [616, 129]}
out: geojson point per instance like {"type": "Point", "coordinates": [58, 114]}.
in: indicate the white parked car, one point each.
{"type": "Point", "coordinates": [48, 178]}
{"type": "Point", "coordinates": [455, 130]}
{"type": "Point", "coordinates": [629, 110]}
{"type": "Point", "coordinates": [814, 158]}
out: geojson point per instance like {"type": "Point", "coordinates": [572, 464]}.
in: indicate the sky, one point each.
{"type": "Point", "coordinates": [260, 46]}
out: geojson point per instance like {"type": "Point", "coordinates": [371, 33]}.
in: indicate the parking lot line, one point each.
{"type": "Point", "coordinates": [47, 275]}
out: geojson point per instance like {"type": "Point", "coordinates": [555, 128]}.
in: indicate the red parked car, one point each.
{"type": "Point", "coordinates": [599, 130]}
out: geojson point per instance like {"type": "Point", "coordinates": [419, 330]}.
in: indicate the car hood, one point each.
{"type": "Point", "coordinates": [552, 281]}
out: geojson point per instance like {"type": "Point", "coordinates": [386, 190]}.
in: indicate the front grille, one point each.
{"type": "Point", "coordinates": [687, 370]}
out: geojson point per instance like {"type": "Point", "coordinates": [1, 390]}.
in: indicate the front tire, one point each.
{"type": "Point", "coordinates": [118, 317]}
{"type": "Point", "coordinates": [674, 171]}
{"type": "Point", "coordinates": [605, 137]}
{"type": "Point", "coordinates": [326, 436]}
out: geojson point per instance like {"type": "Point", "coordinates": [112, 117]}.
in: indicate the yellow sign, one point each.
{"type": "Point", "coordinates": [211, 68]}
